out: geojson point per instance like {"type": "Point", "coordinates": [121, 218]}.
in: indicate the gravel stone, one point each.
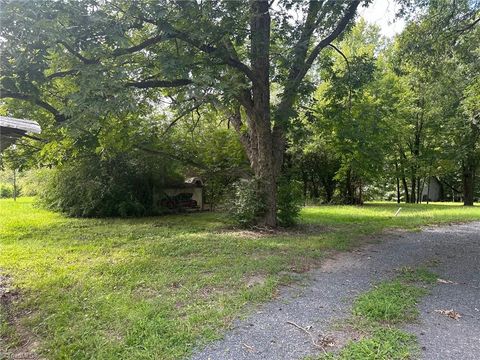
{"type": "Point", "coordinates": [453, 252]}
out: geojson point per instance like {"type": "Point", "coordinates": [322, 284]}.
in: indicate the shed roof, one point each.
{"type": "Point", "coordinates": [11, 129]}
{"type": "Point", "coordinates": [20, 124]}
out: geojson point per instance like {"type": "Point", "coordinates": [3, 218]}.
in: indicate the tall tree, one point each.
{"type": "Point", "coordinates": [441, 50]}
{"type": "Point", "coordinates": [82, 60]}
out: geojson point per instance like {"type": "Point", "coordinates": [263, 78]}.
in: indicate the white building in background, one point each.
{"type": "Point", "coordinates": [432, 190]}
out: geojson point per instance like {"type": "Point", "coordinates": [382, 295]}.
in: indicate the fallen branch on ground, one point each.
{"type": "Point", "coordinates": [312, 337]}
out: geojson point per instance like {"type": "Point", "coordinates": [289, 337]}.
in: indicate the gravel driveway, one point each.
{"type": "Point", "coordinates": [454, 251]}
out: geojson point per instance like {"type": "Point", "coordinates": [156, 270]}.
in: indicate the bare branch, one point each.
{"type": "Point", "coordinates": [349, 74]}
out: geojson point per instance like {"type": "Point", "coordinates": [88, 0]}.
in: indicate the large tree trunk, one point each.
{"type": "Point", "coordinates": [265, 169]}
{"type": "Point", "coordinates": [258, 142]}
{"type": "Point", "coordinates": [264, 143]}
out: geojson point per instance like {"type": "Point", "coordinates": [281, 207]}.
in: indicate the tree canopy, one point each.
{"type": "Point", "coordinates": [301, 78]}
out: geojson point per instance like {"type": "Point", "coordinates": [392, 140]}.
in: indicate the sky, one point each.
{"type": "Point", "coordinates": [382, 13]}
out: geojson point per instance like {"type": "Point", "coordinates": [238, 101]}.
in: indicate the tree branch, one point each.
{"type": "Point", "coordinates": [349, 74]}
{"type": "Point", "coordinates": [82, 58]}
{"type": "Point", "coordinates": [182, 114]}
{"type": "Point", "coordinates": [147, 84]}
{"type": "Point", "coordinates": [342, 24]}
{"type": "Point", "coordinates": [171, 156]}
{"type": "Point", "coordinates": [61, 74]}
{"type": "Point", "coordinates": [144, 44]}
{"type": "Point", "coordinates": [223, 54]}
{"type": "Point", "coordinates": [469, 26]}
{"type": "Point", "coordinates": [59, 118]}
{"type": "Point", "coordinates": [297, 72]}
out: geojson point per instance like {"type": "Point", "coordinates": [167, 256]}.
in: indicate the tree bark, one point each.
{"type": "Point", "coordinates": [398, 182]}
{"type": "Point", "coordinates": [268, 164]}
{"type": "Point", "coordinates": [419, 191]}
{"type": "Point", "coordinates": [468, 177]}
{"type": "Point", "coordinates": [413, 198]}
{"type": "Point", "coordinates": [405, 189]}
{"type": "Point", "coordinates": [398, 190]}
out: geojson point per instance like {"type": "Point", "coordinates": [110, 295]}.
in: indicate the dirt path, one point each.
{"type": "Point", "coordinates": [454, 251]}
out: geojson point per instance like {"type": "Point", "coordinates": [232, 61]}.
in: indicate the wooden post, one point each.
{"type": "Point", "coordinates": [14, 185]}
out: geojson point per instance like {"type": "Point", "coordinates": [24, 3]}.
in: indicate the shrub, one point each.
{"type": "Point", "coordinates": [247, 202]}
{"type": "Point", "coordinates": [33, 181]}
{"type": "Point", "coordinates": [123, 185]}
{"type": "Point", "coordinates": [6, 191]}
{"type": "Point", "coordinates": [289, 201]}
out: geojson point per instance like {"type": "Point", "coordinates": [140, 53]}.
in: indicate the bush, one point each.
{"type": "Point", "coordinates": [6, 191]}
{"type": "Point", "coordinates": [33, 181]}
{"type": "Point", "coordinates": [289, 201]}
{"type": "Point", "coordinates": [123, 185]}
{"type": "Point", "coordinates": [247, 203]}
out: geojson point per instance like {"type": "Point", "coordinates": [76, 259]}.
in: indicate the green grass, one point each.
{"type": "Point", "coordinates": [383, 343]}
{"type": "Point", "coordinates": [395, 301]}
{"type": "Point", "coordinates": [391, 301]}
{"type": "Point", "coordinates": [421, 274]}
{"type": "Point", "coordinates": [377, 311]}
{"type": "Point", "coordinates": [155, 287]}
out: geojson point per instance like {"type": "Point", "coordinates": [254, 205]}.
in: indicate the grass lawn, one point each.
{"type": "Point", "coordinates": [153, 288]}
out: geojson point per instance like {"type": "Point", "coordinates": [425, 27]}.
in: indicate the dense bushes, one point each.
{"type": "Point", "coordinates": [122, 185]}
{"type": "Point", "coordinates": [6, 191]}
{"type": "Point", "coordinates": [31, 182]}
{"type": "Point", "coordinates": [289, 201]}
{"type": "Point", "coordinates": [247, 203]}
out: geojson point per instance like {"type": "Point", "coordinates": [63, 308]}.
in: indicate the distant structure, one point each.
{"type": "Point", "coordinates": [12, 129]}
{"type": "Point", "coordinates": [432, 190]}
{"type": "Point", "coordinates": [186, 195]}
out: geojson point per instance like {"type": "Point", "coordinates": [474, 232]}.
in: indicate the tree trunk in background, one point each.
{"type": "Point", "coordinates": [305, 186]}
{"type": "Point", "coordinates": [419, 191]}
{"type": "Point", "coordinates": [468, 176]}
{"type": "Point", "coordinates": [398, 181]}
{"type": "Point", "coordinates": [14, 185]}
{"type": "Point", "coordinates": [413, 198]}
{"type": "Point", "coordinates": [469, 166]}
{"type": "Point", "coordinates": [405, 189]}
{"type": "Point", "coordinates": [428, 189]}
{"type": "Point", "coordinates": [329, 189]}
{"type": "Point", "coordinates": [398, 190]}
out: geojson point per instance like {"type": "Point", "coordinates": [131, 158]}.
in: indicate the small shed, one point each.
{"type": "Point", "coordinates": [12, 129]}
{"type": "Point", "coordinates": [188, 195]}
{"type": "Point", "coordinates": [432, 190]}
